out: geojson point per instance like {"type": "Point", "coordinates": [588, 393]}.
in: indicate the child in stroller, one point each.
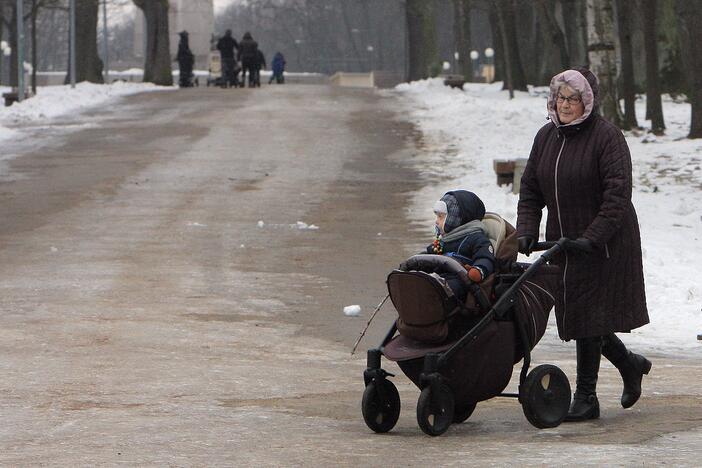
{"type": "Point", "coordinates": [461, 234]}
{"type": "Point", "coordinates": [502, 319]}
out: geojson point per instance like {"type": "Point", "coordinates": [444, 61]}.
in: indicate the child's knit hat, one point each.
{"type": "Point", "coordinates": [461, 207]}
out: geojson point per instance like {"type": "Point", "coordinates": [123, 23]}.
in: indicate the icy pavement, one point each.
{"type": "Point", "coordinates": [463, 131]}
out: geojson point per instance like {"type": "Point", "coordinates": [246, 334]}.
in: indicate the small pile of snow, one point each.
{"type": "Point", "coordinates": [303, 226]}
{"type": "Point", "coordinates": [352, 310]}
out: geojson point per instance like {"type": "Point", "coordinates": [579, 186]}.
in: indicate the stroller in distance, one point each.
{"type": "Point", "coordinates": [467, 356]}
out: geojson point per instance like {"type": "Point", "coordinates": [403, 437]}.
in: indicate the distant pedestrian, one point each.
{"type": "Point", "coordinates": [278, 69]}
{"type": "Point", "coordinates": [248, 55]}
{"type": "Point", "coordinates": [226, 46]}
{"type": "Point", "coordinates": [186, 60]}
{"type": "Point", "coordinates": [260, 64]}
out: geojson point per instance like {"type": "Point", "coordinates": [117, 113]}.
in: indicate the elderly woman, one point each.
{"type": "Point", "coordinates": [580, 169]}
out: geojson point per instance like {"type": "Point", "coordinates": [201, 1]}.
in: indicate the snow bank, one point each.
{"type": "Point", "coordinates": [55, 101]}
{"type": "Point", "coordinates": [464, 130]}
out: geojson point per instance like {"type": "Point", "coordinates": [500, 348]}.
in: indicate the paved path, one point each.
{"type": "Point", "coordinates": [147, 319]}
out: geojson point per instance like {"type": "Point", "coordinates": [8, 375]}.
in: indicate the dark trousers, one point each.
{"type": "Point", "coordinates": [186, 75]}
{"type": "Point", "coordinates": [229, 72]}
{"type": "Point", "coordinates": [251, 68]}
{"type": "Point", "coordinates": [278, 77]}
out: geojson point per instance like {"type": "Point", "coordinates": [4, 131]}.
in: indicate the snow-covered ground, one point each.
{"type": "Point", "coordinates": [57, 101]}
{"type": "Point", "coordinates": [463, 131]}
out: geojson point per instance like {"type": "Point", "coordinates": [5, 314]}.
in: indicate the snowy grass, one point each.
{"type": "Point", "coordinates": [464, 130]}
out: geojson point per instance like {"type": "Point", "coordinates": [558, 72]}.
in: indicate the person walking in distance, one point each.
{"type": "Point", "coordinates": [278, 69]}
{"type": "Point", "coordinates": [248, 55]}
{"type": "Point", "coordinates": [186, 60]}
{"type": "Point", "coordinates": [226, 46]}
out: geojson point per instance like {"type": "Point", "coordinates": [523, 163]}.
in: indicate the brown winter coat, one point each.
{"type": "Point", "coordinates": [582, 174]}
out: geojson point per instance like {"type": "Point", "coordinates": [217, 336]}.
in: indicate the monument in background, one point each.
{"type": "Point", "coordinates": [194, 16]}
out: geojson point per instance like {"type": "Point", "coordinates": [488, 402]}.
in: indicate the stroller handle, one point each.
{"type": "Point", "coordinates": [551, 247]}
{"type": "Point", "coordinates": [541, 246]}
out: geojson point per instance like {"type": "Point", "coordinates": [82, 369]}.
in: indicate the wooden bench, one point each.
{"type": "Point", "coordinates": [455, 81]}
{"type": "Point", "coordinates": [509, 171]}
{"type": "Point", "coordinates": [10, 98]}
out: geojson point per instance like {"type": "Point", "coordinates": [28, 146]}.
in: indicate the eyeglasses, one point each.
{"type": "Point", "coordinates": [572, 100]}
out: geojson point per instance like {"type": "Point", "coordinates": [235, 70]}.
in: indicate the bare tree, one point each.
{"type": "Point", "coordinates": [157, 63]}
{"type": "Point", "coordinates": [88, 63]}
{"type": "Point", "coordinates": [461, 35]}
{"type": "Point", "coordinates": [547, 13]}
{"type": "Point", "coordinates": [516, 78]}
{"type": "Point", "coordinates": [575, 23]}
{"type": "Point", "coordinates": [602, 56]}
{"type": "Point", "coordinates": [690, 20]}
{"type": "Point", "coordinates": [421, 38]}
{"type": "Point", "coordinates": [628, 85]}
{"type": "Point", "coordinates": [654, 106]}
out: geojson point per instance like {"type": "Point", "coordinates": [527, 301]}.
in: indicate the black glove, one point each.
{"type": "Point", "coordinates": [526, 244]}
{"type": "Point", "coordinates": [580, 245]}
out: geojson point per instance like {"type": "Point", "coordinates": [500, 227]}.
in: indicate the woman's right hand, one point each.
{"type": "Point", "coordinates": [526, 244]}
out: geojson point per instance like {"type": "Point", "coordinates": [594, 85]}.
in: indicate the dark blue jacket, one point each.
{"type": "Point", "coordinates": [278, 65]}
{"type": "Point", "coordinates": [474, 249]}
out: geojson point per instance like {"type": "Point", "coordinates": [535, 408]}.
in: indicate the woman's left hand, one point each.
{"type": "Point", "coordinates": [580, 245]}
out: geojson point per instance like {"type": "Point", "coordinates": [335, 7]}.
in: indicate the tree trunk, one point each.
{"type": "Point", "coordinates": [575, 23]}
{"type": "Point", "coordinates": [510, 43]}
{"type": "Point", "coordinates": [690, 18]}
{"type": "Point", "coordinates": [423, 52]}
{"type": "Point", "coordinates": [34, 14]}
{"type": "Point", "coordinates": [547, 14]}
{"type": "Point", "coordinates": [2, 30]}
{"type": "Point", "coordinates": [88, 63]}
{"type": "Point", "coordinates": [602, 56]}
{"type": "Point", "coordinates": [509, 83]}
{"type": "Point", "coordinates": [13, 45]}
{"type": "Point", "coordinates": [654, 106]}
{"type": "Point", "coordinates": [157, 64]}
{"type": "Point", "coordinates": [498, 59]}
{"type": "Point", "coordinates": [461, 28]}
{"type": "Point", "coordinates": [628, 85]}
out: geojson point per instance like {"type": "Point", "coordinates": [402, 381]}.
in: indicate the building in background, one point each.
{"type": "Point", "coordinates": [194, 16]}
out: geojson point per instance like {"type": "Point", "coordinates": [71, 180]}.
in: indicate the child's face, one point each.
{"type": "Point", "coordinates": [440, 221]}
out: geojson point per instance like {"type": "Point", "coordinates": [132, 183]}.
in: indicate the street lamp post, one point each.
{"type": "Point", "coordinates": [474, 55]}
{"type": "Point", "coordinates": [489, 53]}
{"type": "Point", "coordinates": [106, 52]}
{"type": "Point", "coordinates": [370, 52]}
{"type": "Point", "coordinates": [20, 50]}
{"type": "Point", "coordinates": [72, 39]}
{"type": "Point", "coordinates": [5, 51]}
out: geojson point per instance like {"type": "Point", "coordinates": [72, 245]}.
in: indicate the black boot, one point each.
{"type": "Point", "coordinates": [585, 405]}
{"type": "Point", "coordinates": [632, 367]}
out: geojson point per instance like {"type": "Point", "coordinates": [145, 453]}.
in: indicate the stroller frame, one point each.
{"type": "Point", "coordinates": [546, 408]}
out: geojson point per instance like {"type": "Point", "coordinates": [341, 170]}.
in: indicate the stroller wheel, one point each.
{"type": "Point", "coordinates": [463, 412]}
{"type": "Point", "coordinates": [435, 409]}
{"type": "Point", "coordinates": [545, 396]}
{"type": "Point", "coordinates": [380, 405]}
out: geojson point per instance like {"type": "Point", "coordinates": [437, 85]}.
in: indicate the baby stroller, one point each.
{"type": "Point", "coordinates": [215, 76]}
{"type": "Point", "coordinates": [499, 324]}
